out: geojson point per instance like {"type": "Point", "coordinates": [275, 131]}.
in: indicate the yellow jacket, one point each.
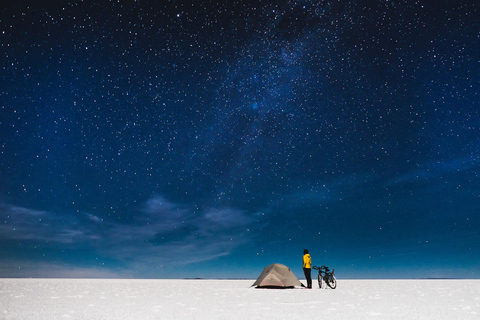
{"type": "Point", "coordinates": [307, 261]}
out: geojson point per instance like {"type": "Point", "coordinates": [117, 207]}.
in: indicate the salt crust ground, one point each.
{"type": "Point", "coordinates": [43, 299]}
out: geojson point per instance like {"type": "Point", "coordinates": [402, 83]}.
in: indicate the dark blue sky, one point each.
{"type": "Point", "coordinates": [200, 139]}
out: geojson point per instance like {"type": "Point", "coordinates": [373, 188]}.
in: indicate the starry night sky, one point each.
{"type": "Point", "coordinates": [160, 139]}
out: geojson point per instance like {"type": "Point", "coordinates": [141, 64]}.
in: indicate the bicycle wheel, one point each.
{"type": "Point", "coordinates": [320, 281]}
{"type": "Point", "coordinates": [332, 282]}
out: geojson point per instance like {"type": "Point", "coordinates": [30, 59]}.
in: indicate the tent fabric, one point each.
{"type": "Point", "coordinates": [277, 276]}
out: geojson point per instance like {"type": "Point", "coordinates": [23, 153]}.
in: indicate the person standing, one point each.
{"type": "Point", "coordinates": [307, 268]}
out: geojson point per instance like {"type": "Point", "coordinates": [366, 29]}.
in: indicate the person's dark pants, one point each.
{"type": "Point", "coordinates": [308, 276]}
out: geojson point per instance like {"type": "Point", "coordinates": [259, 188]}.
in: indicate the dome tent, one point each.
{"type": "Point", "coordinates": [277, 276]}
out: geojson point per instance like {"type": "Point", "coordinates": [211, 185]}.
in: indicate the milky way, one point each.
{"type": "Point", "coordinates": [175, 139]}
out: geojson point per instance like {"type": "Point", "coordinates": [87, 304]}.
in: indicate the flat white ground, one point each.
{"type": "Point", "coordinates": [43, 299]}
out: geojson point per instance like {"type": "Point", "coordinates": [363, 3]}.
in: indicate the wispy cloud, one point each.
{"type": "Point", "coordinates": [10, 268]}
{"type": "Point", "coordinates": [162, 232]}
{"type": "Point", "coordinates": [225, 218]}
{"type": "Point", "coordinates": [168, 233]}
{"type": "Point", "coordinates": [433, 170]}
{"type": "Point", "coordinates": [28, 224]}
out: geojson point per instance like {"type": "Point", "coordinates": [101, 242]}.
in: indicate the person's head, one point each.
{"type": "Point", "coordinates": [305, 251]}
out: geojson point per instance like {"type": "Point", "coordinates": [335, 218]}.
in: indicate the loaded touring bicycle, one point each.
{"type": "Point", "coordinates": [326, 277]}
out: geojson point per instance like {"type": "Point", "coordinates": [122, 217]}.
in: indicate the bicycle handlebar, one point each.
{"type": "Point", "coordinates": [321, 268]}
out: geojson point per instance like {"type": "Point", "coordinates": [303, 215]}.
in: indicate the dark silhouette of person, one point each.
{"type": "Point", "coordinates": [307, 268]}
